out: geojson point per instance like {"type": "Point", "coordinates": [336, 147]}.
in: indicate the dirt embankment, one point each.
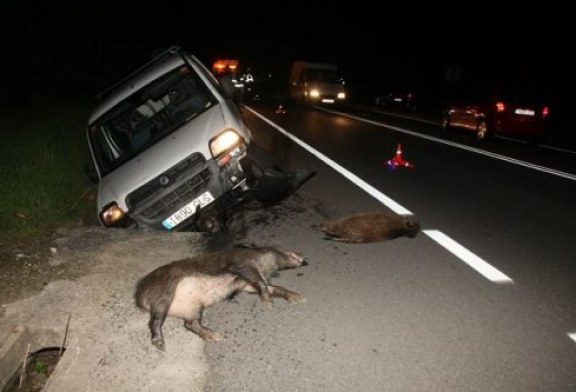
{"type": "Point", "coordinates": [87, 275]}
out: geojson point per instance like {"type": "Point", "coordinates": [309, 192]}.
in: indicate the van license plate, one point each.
{"type": "Point", "coordinates": [525, 112]}
{"type": "Point", "coordinates": [188, 210]}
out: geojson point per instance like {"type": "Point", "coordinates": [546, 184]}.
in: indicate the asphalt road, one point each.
{"type": "Point", "coordinates": [480, 300]}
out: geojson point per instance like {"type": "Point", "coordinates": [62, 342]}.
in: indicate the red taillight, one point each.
{"type": "Point", "coordinates": [545, 111]}
{"type": "Point", "coordinates": [500, 107]}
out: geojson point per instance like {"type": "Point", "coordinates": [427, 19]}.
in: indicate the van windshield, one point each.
{"type": "Point", "coordinates": [147, 116]}
{"type": "Point", "coordinates": [323, 75]}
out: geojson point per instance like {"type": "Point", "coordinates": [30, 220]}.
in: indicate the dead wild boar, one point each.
{"type": "Point", "coordinates": [370, 227]}
{"type": "Point", "coordinates": [185, 287]}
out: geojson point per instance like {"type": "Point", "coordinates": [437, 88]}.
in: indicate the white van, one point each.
{"type": "Point", "coordinates": [317, 82]}
{"type": "Point", "coordinates": [171, 151]}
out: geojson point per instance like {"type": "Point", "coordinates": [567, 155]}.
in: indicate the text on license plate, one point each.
{"type": "Point", "coordinates": [525, 112]}
{"type": "Point", "coordinates": [188, 210]}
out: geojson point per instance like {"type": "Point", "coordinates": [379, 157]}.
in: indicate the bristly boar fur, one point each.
{"type": "Point", "coordinates": [185, 287]}
{"type": "Point", "coordinates": [370, 227]}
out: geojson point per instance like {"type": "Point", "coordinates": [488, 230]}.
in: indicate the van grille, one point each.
{"type": "Point", "coordinates": [152, 199]}
{"type": "Point", "coordinates": [181, 195]}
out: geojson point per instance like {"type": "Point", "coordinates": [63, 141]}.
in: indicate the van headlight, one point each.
{"type": "Point", "coordinates": [224, 142]}
{"type": "Point", "coordinates": [342, 95]}
{"type": "Point", "coordinates": [114, 216]}
{"type": "Point", "coordinates": [314, 93]}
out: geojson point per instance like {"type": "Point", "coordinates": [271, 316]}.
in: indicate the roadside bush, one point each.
{"type": "Point", "coordinates": [43, 151]}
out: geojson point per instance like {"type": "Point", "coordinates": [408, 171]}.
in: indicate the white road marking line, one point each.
{"type": "Point", "coordinates": [458, 145]}
{"type": "Point", "coordinates": [477, 263]}
{"type": "Point", "coordinates": [404, 116]}
{"type": "Point", "coordinates": [382, 198]}
{"type": "Point", "coordinates": [572, 335]}
{"type": "Point", "coordinates": [557, 149]}
{"type": "Point", "coordinates": [465, 255]}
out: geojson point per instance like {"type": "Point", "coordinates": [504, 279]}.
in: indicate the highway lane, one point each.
{"type": "Point", "coordinates": [523, 191]}
{"type": "Point", "coordinates": [409, 315]}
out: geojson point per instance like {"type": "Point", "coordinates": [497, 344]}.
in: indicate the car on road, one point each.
{"type": "Point", "coordinates": [317, 83]}
{"type": "Point", "coordinates": [508, 111]}
{"type": "Point", "coordinates": [170, 149]}
{"type": "Point", "coordinates": [396, 99]}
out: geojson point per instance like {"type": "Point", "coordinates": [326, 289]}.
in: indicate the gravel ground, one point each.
{"type": "Point", "coordinates": [25, 268]}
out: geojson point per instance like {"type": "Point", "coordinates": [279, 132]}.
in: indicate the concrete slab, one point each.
{"type": "Point", "coordinates": [108, 343]}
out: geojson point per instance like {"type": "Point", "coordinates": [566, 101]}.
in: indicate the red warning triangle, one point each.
{"type": "Point", "coordinates": [398, 160]}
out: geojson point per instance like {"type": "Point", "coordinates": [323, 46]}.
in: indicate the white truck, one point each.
{"type": "Point", "coordinates": [315, 82]}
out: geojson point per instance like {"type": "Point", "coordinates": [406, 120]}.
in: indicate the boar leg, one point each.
{"type": "Point", "coordinates": [196, 326]}
{"type": "Point", "coordinates": [255, 279]}
{"type": "Point", "coordinates": [156, 320]}
{"type": "Point", "coordinates": [291, 296]}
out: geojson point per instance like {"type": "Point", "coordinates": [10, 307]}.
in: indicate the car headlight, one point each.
{"type": "Point", "coordinates": [114, 216]}
{"type": "Point", "coordinates": [224, 142]}
{"type": "Point", "coordinates": [341, 95]}
{"type": "Point", "coordinates": [314, 93]}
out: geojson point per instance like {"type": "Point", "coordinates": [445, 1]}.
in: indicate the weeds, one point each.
{"type": "Point", "coordinates": [43, 151]}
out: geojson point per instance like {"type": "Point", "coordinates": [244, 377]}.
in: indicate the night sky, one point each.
{"type": "Point", "coordinates": [83, 48]}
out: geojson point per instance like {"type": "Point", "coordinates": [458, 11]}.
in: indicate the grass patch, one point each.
{"type": "Point", "coordinates": [42, 157]}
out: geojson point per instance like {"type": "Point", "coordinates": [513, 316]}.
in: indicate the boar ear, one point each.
{"type": "Point", "coordinates": [295, 256]}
